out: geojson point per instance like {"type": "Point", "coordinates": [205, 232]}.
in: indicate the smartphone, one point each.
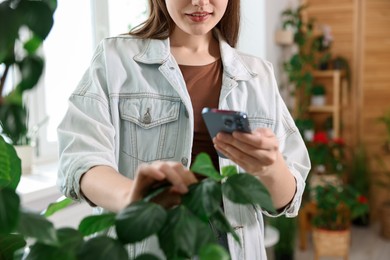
{"type": "Point", "coordinates": [227, 121]}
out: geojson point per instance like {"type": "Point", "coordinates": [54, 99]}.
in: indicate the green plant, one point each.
{"type": "Point", "coordinates": [359, 178]}
{"type": "Point", "coordinates": [329, 153]}
{"type": "Point", "coordinates": [337, 206]}
{"type": "Point", "coordinates": [318, 90]}
{"type": "Point", "coordinates": [18, 51]}
{"type": "Point", "coordinates": [183, 231]}
{"type": "Point", "coordinates": [284, 249]}
{"type": "Point", "coordinates": [298, 67]}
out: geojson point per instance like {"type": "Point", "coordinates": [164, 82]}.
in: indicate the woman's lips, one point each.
{"type": "Point", "coordinates": [198, 16]}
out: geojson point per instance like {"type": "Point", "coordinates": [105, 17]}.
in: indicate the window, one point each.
{"type": "Point", "coordinates": [78, 27]}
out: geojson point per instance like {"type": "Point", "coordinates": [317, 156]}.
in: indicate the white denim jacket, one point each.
{"type": "Point", "coordinates": [132, 107]}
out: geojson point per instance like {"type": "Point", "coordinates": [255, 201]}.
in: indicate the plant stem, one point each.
{"type": "Point", "coordinates": [2, 83]}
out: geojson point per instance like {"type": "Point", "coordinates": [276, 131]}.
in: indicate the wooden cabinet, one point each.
{"type": "Point", "coordinates": [360, 30]}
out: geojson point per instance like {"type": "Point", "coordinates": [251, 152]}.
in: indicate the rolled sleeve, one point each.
{"type": "Point", "coordinates": [86, 139]}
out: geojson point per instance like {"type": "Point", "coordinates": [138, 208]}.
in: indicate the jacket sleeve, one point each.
{"type": "Point", "coordinates": [86, 134]}
{"type": "Point", "coordinates": [293, 149]}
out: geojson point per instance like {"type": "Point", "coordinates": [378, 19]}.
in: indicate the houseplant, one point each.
{"type": "Point", "coordinates": [298, 66]}
{"type": "Point", "coordinates": [183, 231]}
{"type": "Point", "coordinates": [19, 55]}
{"type": "Point", "coordinates": [321, 45]}
{"type": "Point", "coordinates": [359, 179]}
{"type": "Point", "coordinates": [336, 206]}
{"type": "Point", "coordinates": [318, 95]}
{"type": "Point", "coordinates": [306, 128]}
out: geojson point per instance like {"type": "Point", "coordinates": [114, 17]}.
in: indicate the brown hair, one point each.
{"type": "Point", "coordinates": [159, 25]}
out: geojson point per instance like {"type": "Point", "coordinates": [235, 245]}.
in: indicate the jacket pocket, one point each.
{"type": "Point", "coordinates": [149, 127]}
{"type": "Point", "coordinates": [261, 122]}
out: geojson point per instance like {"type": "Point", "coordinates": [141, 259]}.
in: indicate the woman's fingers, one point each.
{"type": "Point", "coordinates": [152, 175]}
{"type": "Point", "coordinates": [254, 151]}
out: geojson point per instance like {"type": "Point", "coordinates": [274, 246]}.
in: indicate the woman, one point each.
{"type": "Point", "coordinates": [134, 120]}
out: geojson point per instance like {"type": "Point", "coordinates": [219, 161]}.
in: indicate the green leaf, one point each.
{"type": "Point", "coordinates": [146, 257]}
{"type": "Point", "coordinates": [36, 226]}
{"type": "Point", "coordinates": [247, 189]}
{"type": "Point", "coordinates": [204, 166]}
{"type": "Point", "coordinates": [62, 203]}
{"type": "Point", "coordinates": [212, 252]}
{"type": "Point", "coordinates": [31, 68]}
{"type": "Point", "coordinates": [70, 242]}
{"type": "Point", "coordinates": [52, 4]}
{"type": "Point", "coordinates": [103, 248]}
{"type": "Point", "coordinates": [70, 239]}
{"type": "Point", "coordinates": [9, 210]}
{"type": "Point", "coordinates": [92, 224]}
{"type": "Point", "coordinates": [139, 221]}
{"type": "Point", "coordinates": [204, 198]}
{"type": "Point", "coordinates": [11, 169]}
{"type": "Point", "coordinates": [13, 120]}
{"type": "Point", "coordinates": [219, 221]}
{"type": "Point", "coordinates": [9, 33]}
{"type": "Point", "coordinates": [32, 44]}
{"type": "Point", "coordinates": [41, 251]}
{"type": "Point", "coordinates": [183, 234]}
{"type": "Point", "coordinates": [9, 244]}
{"type": "Point", "coordinates": [229, 171]}
{"type": "Point", "coordinates": [37, 16]}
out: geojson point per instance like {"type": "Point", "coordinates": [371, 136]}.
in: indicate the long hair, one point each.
{"type": "Point", "coordinates": [160, 25]}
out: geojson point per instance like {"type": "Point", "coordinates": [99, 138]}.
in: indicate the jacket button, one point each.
{"type": "Point", "coordinates": [184, 161]}
{"type": "Point", "coordinates": [147, 119]}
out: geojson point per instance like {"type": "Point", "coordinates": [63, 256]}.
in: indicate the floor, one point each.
{"type": "Point", "coordinates": [367, 244]}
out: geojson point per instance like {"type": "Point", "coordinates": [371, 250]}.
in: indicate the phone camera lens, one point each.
{"type": "Point", "coordinates": [228, 122]}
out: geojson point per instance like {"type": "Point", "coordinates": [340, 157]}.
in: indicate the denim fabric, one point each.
{"type": "Point", "coordinates": [132, 107]}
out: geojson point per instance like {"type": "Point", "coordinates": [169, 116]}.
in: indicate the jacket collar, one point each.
{"type": "Point", "coordinates": [158, 52]}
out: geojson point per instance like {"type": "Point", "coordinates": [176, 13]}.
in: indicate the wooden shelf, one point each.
{"type": "Point", "coordinates": [322, 109]}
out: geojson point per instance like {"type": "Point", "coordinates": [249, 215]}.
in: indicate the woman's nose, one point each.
{"type": "Point", "coordinates": [200, 2]}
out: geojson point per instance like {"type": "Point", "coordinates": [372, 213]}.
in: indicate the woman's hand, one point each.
{"type": "Point", "coordinates": [160, 172]}
{"type": "Point", "coordinates": [255, 152]}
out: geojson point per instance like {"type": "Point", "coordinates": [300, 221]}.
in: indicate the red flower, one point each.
{"type": "Point", "coordinates": [321, 138]}
{"type": "Point", "coordinates": [362, 199]}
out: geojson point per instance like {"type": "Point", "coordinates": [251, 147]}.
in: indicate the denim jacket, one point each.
{"type": "Point", "coordinates": [132, 107]}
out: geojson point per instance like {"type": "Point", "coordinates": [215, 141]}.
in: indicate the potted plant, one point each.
{"type": "Point", "coordinates": [318, 96]}
{"type": "Point", "coordinates": [18, 55]}
{"type": "Point", "coordinates": [359, 179]}
{"type": "Point", "coordinates": [328, 160]}
{"type": "Point", "coordinates": [299, 66]}
{"type": "Point", "coordinates": [306, 128]}
{"type": "Point", "coordinates": [183, 232]}
{"type": "Point", "coordinates": [336, 206]}
{"type": "Point", "coordinates": [321, 47]}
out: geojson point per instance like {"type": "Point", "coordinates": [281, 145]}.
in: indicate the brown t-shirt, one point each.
{"type": "Point", "coordinates": [204, 87]}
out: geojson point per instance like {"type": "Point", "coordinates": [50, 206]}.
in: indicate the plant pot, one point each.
{"type": "Point", "coordinates": [25, 153]}
{"type": "Point", "coordinates": [385, 220]}
{"type": "Point", "coordinates": [317, 100]}
{"type": "Point", "coordinates": [308, 134]}
{"type": "Point", "coordinates": [331, 242]}
{"type": "Point", "coordinates": [284, 37]}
